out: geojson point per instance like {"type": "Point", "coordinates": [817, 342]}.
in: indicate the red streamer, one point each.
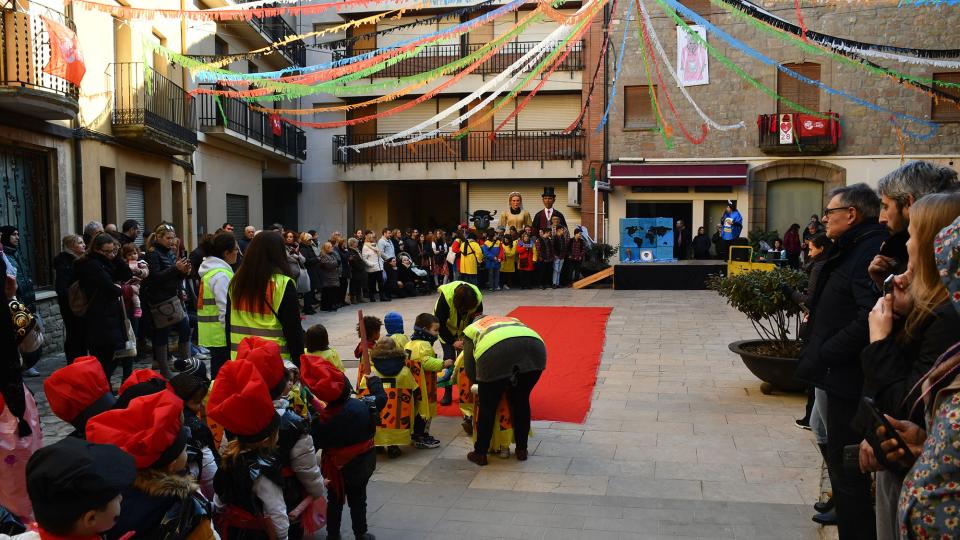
{"type": "Point", "coordinates": [124, 12]}
{"type": "Point", "coordinates": [604, 46]}
{"type": "Point", "coordinates": [803, 25]}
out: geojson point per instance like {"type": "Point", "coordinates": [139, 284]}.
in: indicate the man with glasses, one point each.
{"type": "Point", "coordinates": [830, 360]}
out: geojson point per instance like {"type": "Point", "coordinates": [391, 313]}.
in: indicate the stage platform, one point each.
{"type": "Point", "coordinates": [676, 275]}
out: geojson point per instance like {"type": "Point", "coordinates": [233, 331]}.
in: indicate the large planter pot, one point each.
{"type": "Point", "coordinates": [776, 373]}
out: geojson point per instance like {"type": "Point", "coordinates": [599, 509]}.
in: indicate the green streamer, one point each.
{"type": "Point", "coordinates": [651, 89]}
{"type": "Point", "coordinates": [820, 50]}
{"type": "Point", "coordinates": [734, 67]}
{"type": "Point", "coordinates": [223, 115]}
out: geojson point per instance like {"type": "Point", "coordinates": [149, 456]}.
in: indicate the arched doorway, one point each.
{"type": "Point", "coordinates": [792, 200]}
{"type": "Point", "coordinates": [762, 177]}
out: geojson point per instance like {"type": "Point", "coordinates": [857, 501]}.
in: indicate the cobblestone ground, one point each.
{"type": "Point", "coordinates": [679, 441]}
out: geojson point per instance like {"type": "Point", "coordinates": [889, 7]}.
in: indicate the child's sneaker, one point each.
{"type": "Point", "coordinates": [504, 452]}
{"type": "Point", "coordinates": [421, 443]}
{"type": "Point", "coordinates": [430, 438]}
{"type": "Point", "coordinates": [467, 426]}
{"type": "Point", "coordinates": [393, 452]}
{"type": "Point", "coordinates": [137, 313]}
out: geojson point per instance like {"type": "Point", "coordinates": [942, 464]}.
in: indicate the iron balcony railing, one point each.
{"type": "Point", "coordinates": [807, 134]}
{"type": "Point", "coordinates": [25, 51]}
{"type": "Point", "coordinates": [434, 56]}
{"type": "Point", "coordinates": [142, 96]}
{"type": "Point", "coordinates": [277, 29]}
{"type": "Point", "coordinates": [475, 146]}
{"type": "Point", "coordinates": [236, 115]}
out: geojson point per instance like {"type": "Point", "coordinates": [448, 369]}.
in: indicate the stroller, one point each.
{"type": "Point", "coordinates": [422, 276]}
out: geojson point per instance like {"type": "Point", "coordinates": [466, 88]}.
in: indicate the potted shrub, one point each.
{"type": "Point", "coordinates": [597, 258]}
{"type": "Point", "coordinates": [760, 295]}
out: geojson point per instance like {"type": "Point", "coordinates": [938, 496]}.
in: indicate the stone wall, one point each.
{"type": "Point", "coordinates": [53, 333]}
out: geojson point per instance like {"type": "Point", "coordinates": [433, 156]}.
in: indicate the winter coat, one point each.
{"type": "Point", "coordinates": [253, 483]}
{"type": "Point", "coordinates": [103, 322]}
{"type": "Point", "coordinates": [471, 256]}
{"type": "Point", "coordinates": [343, 255]}
{"type": "Point", "coordinates": [791, 243]}
{"type": "Point", "coordinates": [892, 367]}
{"type": "Point", "coordinates": [26, 292]}
{"type": "Point", "coordinates": [312, 264]}
{"type": "Point", "coordinates": [164, 280]}
{"type": "Point", "coordinates": [526, 256]}
{"type": "Point", "coordinates": [63, 267]}
{"type": "Point", "coordinates": [701, 246]}
{"type": "Point", "coordinates": [838, 325]}
{"type": "Point", "coordinates": [491, 254]}
{"type": "Point", "coordinates": [164, 506]}
{"type": "Point", "coordinates": [509, 262]}
{"type": "Point", "coordinates": [220, 283]}
{"type": "Point", "coordinates": [351, 420]}
{"type": "Point", "coordinates": [544, 247]}
{"type": "Point", "coordinates": [358, 268]}
{"type": "Point", "coordinates": [329, 270]}
{"type": "Point", "coordinates": [372, 257]}
{"type": "Point", "coordinates": [413, 249]}
{"type": "Point", "coordinates": [561, 246]}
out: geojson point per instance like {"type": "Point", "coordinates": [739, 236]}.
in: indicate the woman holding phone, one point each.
{"type": "Point", "coordinates": [162, 288]}
{"type": "Point", "coordinates": [910, 327]}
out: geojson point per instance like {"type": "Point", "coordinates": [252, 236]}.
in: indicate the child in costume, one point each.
{"type": "Point", "coordinates": [344, 430]}
{"type": "Point", "coordinates": [393, 324]}
{"type": "Point", "coordinates": [202, 454]}
{"type": "Point", "coordinates": [249, 495]}
{"type": "Point", "coordinates": [142, 382]}
{"type": "Point", "coordinates": [424, 365]}
{"type": "Point", "coordinates": [78, 392]}
{"type": "Point", "coordinates": [75, 488]}
{"type": "Point", "coordinates": [371, 326]}
{"type": "Point", "coordinates": [163, 502]}
{"type": "Point", "coordinates": [317, 343]}
{"type": "Point", "coordinates": [297, 456]}
{"type": "Point", "coordinates": [388, 364]}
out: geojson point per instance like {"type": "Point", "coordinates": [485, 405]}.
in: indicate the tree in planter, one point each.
{"type": "Point", "coordinates": [597, 258]}
{"type": "Point", "coordinates": [760, 295]}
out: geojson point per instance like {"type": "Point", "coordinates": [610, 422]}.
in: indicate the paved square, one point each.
{"type": "Point", "coordinates": [679, 441]}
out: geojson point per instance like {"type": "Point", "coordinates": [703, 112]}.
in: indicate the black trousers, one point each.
{"type": "Point", "coordinates": [544, 274]}
{"type": "Point", "coordinates": [518, 397]}
{"type": "Point", "coordinates": [356, 475]}
{"type": "Point", "coordinates": [74, 342]}
{"type": "Point", "coordinates": [218, 357]}
{"type": "Point", "coordinates": [105, 355]}
{"type": "Point", "coordinates": [374, 285]}
{"type": "Point", "coordinates": [328, 298]}
{"type": "Point", "coordinates": [851, 490]}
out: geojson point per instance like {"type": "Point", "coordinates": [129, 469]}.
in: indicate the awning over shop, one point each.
{"type": "Point", "coordinates": [678, 174]}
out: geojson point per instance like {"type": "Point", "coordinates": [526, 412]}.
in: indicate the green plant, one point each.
{"type": "Point", "coordinates": [767, 236]}
{"type": "Point", "coordinates": [763, 298]}
{"type": "Point", "coordinates": [601, 253]}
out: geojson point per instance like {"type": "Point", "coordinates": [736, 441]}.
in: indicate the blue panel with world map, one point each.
{"type": "Point", "coordinates": [642, 234]}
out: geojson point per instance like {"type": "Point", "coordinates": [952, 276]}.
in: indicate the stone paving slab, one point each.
{"type": "Point", "coordinates": [679, 442]}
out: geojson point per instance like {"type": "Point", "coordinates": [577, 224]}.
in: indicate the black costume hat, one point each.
{"type": "Point", "coordinates": [548, 192]}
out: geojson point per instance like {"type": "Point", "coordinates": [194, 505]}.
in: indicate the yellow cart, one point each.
{"type": "Point", "coordinates": [740, 260]}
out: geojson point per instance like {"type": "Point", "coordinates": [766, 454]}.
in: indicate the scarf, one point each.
{"type": "Point", "coordinates": [516, 212]}
{"type": "Point", "coordinates": [421, 334]}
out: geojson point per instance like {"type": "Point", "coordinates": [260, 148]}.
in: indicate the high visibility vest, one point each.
{"type": "Point", "coordinates": [210, 331]}
{"type": "Point", "coordinates": [489, 331]}
{"type": "Point", "coordinates": [266, 325]}
{"type": "Point", "coordinates": [396, 417]}
{"type": "Point", "coordinates": [454, 324]}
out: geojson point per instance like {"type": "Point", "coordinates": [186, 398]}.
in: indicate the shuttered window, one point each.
{"type": "Point", "coordinates": [501, 114]}
{"type": "Point", "coordinates": [945, 111]}
{"type": "Point", "coordinates": [701, 7]}
{"type": "Point", "coordinates": [549, 112]}
{"type": "Point", "coordinates": [405, 119]}
{"type": "Point", "coordinates": [136, 209]}
{"type": "Point", "coordinates": [799, 92]}
{"type": "Point", "coordinates": [238, 212]}
{"type": "Point", "coordinates": [637, 109]}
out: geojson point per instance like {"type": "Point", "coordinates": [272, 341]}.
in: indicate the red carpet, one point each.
{"type": "Point", "coordinates": [574, 338]}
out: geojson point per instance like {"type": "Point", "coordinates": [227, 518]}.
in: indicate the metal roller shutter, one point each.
{"type": "Point", "coordinates": [549, 113]}
{"type": "Point", "coordinates": [404, 119]}
{"type": "Point", "coordinates": [442, 105]}
{"type": "Point", "coordinates": [483, 195]}
{"type": "Point", "coordinates": [502, 25]}
{"type": "Point", "coordinates": [135, 207]}
{"type": "Point", "coordinates": [238, 213]}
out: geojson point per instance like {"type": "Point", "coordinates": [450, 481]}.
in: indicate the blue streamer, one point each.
{"type": "Point", "coordinates": [213, 76]}
{"type": "Point", "coordinates": [756, 55]}
{"type": "Point", "coordinates": [616, 71]}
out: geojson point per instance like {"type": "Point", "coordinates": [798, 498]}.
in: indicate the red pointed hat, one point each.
{"type": "Point", "coordinates": [240, 402]}
{"type": "Point", "coordinates": [78, 391]}
{"type": "Point", "coordinates": [139, 376]}
{"type": "Point", "coordinates": [322, 378]}
{"type": "Point", "coordinates": [150, 429]}
{"type": "Point", "coordinates": [265, 356]}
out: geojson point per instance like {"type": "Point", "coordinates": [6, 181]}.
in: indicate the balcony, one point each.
{"type": "Point", "coordinates": [274, 29]}
{"type": "Point", "coordinates": [235, 122]}
{"type": "Point", "coordinates": [812, 136]}
{"type": "Point", "coordinates": [24, 86]}
{"type": "Point", "coordinates": [435, 56]}
{"type": "Point", "coordinates": [474, 147]}
{"type": "Point", "coordinates": [152, 112]}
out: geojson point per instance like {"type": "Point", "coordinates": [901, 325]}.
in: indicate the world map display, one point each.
{"type": "Point", "coordinates": [646, 234]}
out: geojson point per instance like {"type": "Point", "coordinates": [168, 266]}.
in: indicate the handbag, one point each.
{"type": "Point", "coordinates": [451, 257]}
{"type": "Point", "coordinates": [303, 280]}
{"type": "Point", "coordinates": [27, 327]}
{"type": "Point", "coordinates": [167, 313]}
{"type": "Point", "coordinates": [130, 343]}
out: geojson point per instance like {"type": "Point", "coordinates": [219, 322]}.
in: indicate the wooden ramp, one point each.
{"type": "Point", "coordinates": [590, 280]}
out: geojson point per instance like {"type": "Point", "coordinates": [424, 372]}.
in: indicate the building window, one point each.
{"type": "Point", "coordinates": [329, 36]}
{"type": "Point", "coordinates": [238, 213]}
{"type": "Point", "coordinates": [701, 7]}
{"type": "Point", "coordinates": [637, 111]}
{"type": "Point", "coordinates": [659, 189]}
{"type": "Point", "coordinates": [942, 110]}
{"type": "Point", "coordinates": [220, 47]}
{"type": "Point", "coordinates": [799, 92]}
{"type": "Point", "coordinates": [713, 189]}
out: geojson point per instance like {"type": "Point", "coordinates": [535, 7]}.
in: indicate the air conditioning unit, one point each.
{"type": "Point", "coordinates": [573, 193]}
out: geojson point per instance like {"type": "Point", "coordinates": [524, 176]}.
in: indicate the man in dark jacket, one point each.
{"type": "Point", "coordinates": [130, 230]}
{"type": "Point", "coordinates": [681, 241]}
{"type": "Point", "coordinates": [839, 331]}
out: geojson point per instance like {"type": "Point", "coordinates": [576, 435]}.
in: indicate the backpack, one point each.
{"type": "Point", "coordinates": [78, 299]}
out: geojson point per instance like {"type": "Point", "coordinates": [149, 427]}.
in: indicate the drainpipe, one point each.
{"type": "Point", "coordinates": [606, 97]}
{"type": "Point", "coordinates": [188, 176]}
{"type": "Point", "coordinates": [77, 161]}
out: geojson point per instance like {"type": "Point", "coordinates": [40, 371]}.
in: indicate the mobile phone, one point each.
{"type": "Point", "coordinates": [880, 419]}
{"type": "Point", "coordinates": [888, 285]}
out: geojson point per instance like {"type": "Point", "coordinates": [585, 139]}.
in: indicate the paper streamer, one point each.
{"type": "Point", "coordinates": [663, 128]}
{"type": "Point", "coordinates": [753, 53]}
{"type": "Point", "coordinates": [604, 46]}
{"type": "Point", "coordinates": [676, 78]}
{"type": "Point", "coordinates": [616, 71]}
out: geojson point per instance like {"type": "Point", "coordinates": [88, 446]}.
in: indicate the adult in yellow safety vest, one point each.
{"type": "Point", "coordinates": [459, 301]}
{"type": "Point", "coordinates": [263, 298]}
{"type": "Point", "coordinates": [504, 356]}
{"type": "Point", "coordinates": [216, 271]}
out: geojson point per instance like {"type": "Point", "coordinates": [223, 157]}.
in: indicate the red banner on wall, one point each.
{"type": "Point", "coordinates": [66, 60]}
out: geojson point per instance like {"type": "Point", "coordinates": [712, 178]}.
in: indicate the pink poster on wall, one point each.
{"type": "Point", "coordinates": [692, 57]}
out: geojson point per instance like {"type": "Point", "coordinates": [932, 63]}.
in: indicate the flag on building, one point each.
{"type": "Point", "coordinates": [276, 124]}
{"type": "Point", "coordinates": [66, 60]}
